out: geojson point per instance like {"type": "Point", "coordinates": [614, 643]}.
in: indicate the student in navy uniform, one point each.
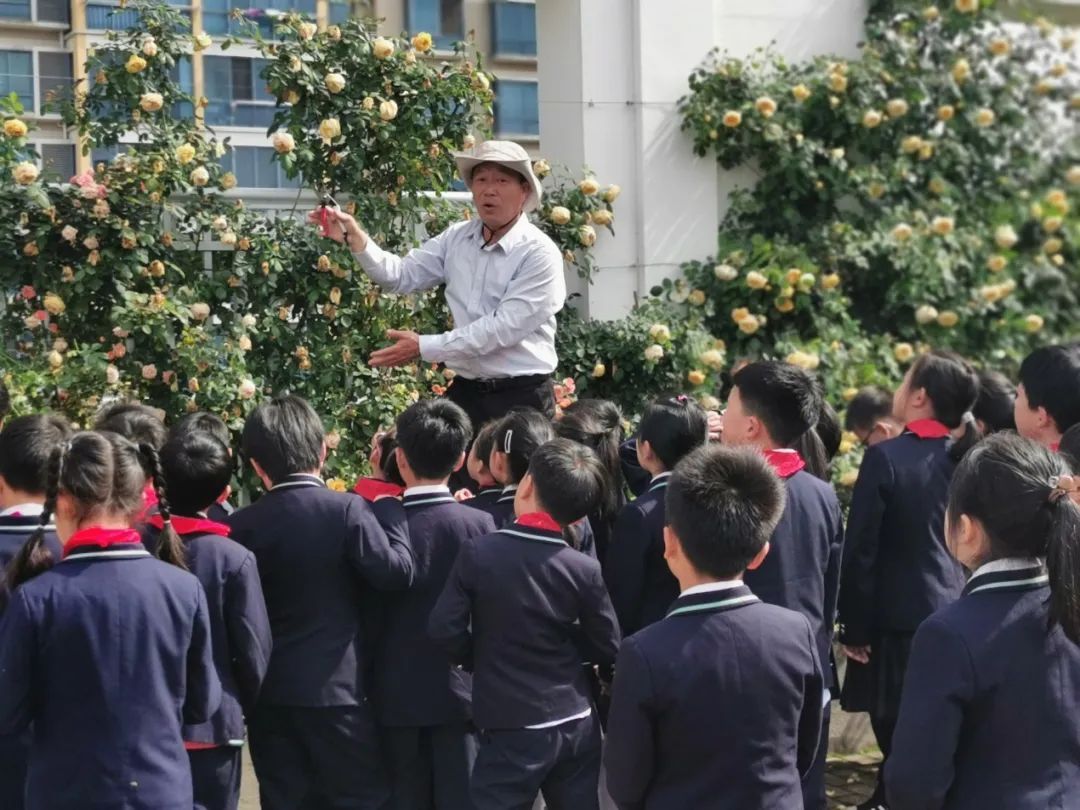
{"type": "Point", "coordinates": [422, 700]}
{"type": "Point", "coordinates": [869, 416]}
{"type": "Point", "coordinates": [196, 469]}
{"type": "Point", "coordinates": [488, 490]}
{"type": "Point", "coordinates": [206, 422]}
{"type": "Point", "coordinates": [26, 444]}
{"type": "Point", "coordinates": [991, 710]}
{"type": "Point", "coordinates": [313, 737]}
{"type": "Point", "coordinates": [385, 479]}
{"type": "Point", "coordinates": [897, 569]}
{"type": "Point", "coordinates": [517, 436]}
{"type": "Point", "coordinates": [1048, 396]}
{"type": "Point", "coordinates": [717, 705]}
{"type": "Point", "coordinates": [995, 406]}
{"type": "Point", "coordinates": [142, 425]}
{"type": "Point", "coordinates": [106, 651]}
{"type": "Point", "coordinates": [772, 407]}
{"type": "Point", "coordinates": [522, 610]}
{"type": "Point", "coordinates": [642, 587]}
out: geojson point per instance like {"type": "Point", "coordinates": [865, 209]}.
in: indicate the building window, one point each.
{"type": "Point", "coordinates": [100, 15]}
{"type": "Point", "coordinates": [58, 159]}
{"type": "Point", "coordinates": [513, 29]}
{"type": "Point", "coordinates": [14, 10]}
{"type": "Point", "coordinates": [54, 78]}
{"type": "Point", "coordinates": [217, 14]}
{"type": "Point", "coordinates": [443, 19]}
{"type": "Point", "coordinates": [517, 108]}
{"type": "Point", "coordinates": [237, 92]}
{"type": "Point", "coordinates": [255, 167]}
{"type": "Point", "coordinates": [339, 11]}
{"type": "Point", "coordinates": [47, 10]}
{"type": "Point", "coordinates": [17, 76]}
{"type": "Point", "coordinates": [182, 75]}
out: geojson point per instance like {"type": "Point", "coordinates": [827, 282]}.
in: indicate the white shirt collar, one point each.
{"type": "Point", "coordinates": [510, 488]}
{"type": "Point", "coordinates": [510, 238]}
{"type": "Point", "coordinates": [23, 510]}
{"type": "Point", "coordinates": [428, 489]}
{"type": "Point", "coordinates": [1007, 564]}
{"type": "Point", "coordinates": [661, 477]}
{"type": "Point", "coordinates": [708, 587]}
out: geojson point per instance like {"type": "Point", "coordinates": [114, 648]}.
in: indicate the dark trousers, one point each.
{"type": "Point", "coordinates": [430, 766]}
{"type": "Point", "coordinates": [883, 730]}
{"type": "Point", "coordinates": [14, 753]}
{"type": "Point", "coordinates": [562, 763]}
{"type": "Point", "coordinates": [215, 776]}
{"type": "Point", "coordinates": [813, 784]}
{"type": "Point", "coordinates": [322, 758]}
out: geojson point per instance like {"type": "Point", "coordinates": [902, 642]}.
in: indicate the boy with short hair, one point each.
{"type": "Point", "coordinates": [422, 700]}
{"type": "Point", "coordinates": [719, 703]}
{"type": "Point", "coordinates": [206, 422]}
{"type": "Point", "coordinates": [869, 416]}
{"type": "Point", "coordinates": [1048, 396]}
{"type": "Point", "coordinates": [313, 736]}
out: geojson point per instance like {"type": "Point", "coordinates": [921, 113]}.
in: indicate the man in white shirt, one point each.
{"type": "Point", "coordinates": [504, 285]}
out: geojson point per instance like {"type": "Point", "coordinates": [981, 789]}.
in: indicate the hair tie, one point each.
{"type": "Point", "coordinates": [1064, 486]}
{"type": "Point", "coordinates": [682, 399]}
{"type": "Point", "coordinates": [507, 440]}
{"type": "Point", "coordinates": [968, 418]}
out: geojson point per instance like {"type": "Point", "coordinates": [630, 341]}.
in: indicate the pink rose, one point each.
{"type": "Point", "coordinates": [28, 293]}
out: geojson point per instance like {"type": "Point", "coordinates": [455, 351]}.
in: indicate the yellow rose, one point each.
{"type": "Point", "coordinates": [1056, 197]}
{"type": "Point", "coordinates": [1072, 176]}
{"type": "Point", "coordinates": [598, 371]}
{"type": "Point", "coordinates": [185, 153]}
{"type": "Point", "coordinates": [937, 185]}
{"type": "Point", "coordinates": [1005, 237]}
{"type": "Point", "coordinates": [871, 119]}
{"type": "Point", "coordinates": [228, 180]}
{"type": "Point", "coordinates": [740, 314]}
{"type": "Point", "coordinates": [903, 352]}
{"type": "Point", "coordinates": [806, 282]}
{"type": "Point", "coordinates": [930, 13]}
{"type": "Point", "coordinates": [202, 41]}
{"type": "Point", "coordinates": [587, 235]}
{"type": "Point", "coordinates": [902, 232]}
{"type": "Point", "coordinates": [849, 394]}
{"type": "Point", "coordinates": [24, 173]}
{"type": "Point", "coordinates": [749, 325]}
{"type": "Point", "coordinates": [793, 275]}
{"type": "Point", "coordinates": [911, 144]}
{"type": "Point", "coordinates": [991, 293]}
{"type": "Point", "coordinates": [229, 238]}
{"type": "Point", "coordinates": [732, 118]}
{"type": "Point", "coordinates": [946, 112]}
{"type": "Point", "coordinates": [1058, 70]}
{"type": "Point", "coordinates": [756, 281]}
{"type": "Point", "coordinates": [948, 319]}
{"type": "Point", "coordinates": [999, 46]}
{"type": "Point", "coordinates": [996, 263]}
{"type": "Point", "coordinates": [335, 295]}
{"type": "Point", "coordinates": [697, 298]}
{"type": "Point", "coordinates": [967, 6]}
{"type": "Point", "coordinates": [559, 215]}
{"type": "Point", "coordinates": [876, 191]}
{"type": "Point", "coordinates": [602, 217]}
{"type": "Point", "coordinates": [942, 226]}
{"type": "Point", "coordinates": [660, 332]}
{"type": "Point", "coordinates": [725, 272]}
{"type": "Point", "coordinates": [801, 92]}
{"type": "Point", "coordinates": [307, 30]}
{"type": "Point", "coordinates": [830, 281]}
{"type": "Point", "coordinates": [985, 117]}
{"type": "Point", "coordinates": [55, 359]}
{"type": "Point", "coordinates": [135, 64]}
{"type": "Point", "coordinates": [611, 193]}
{"type": "Point", "coordinates": [849, 478]}
{"type": "Point", "coordinates": [961, 71]}
{"type": "Point", "coordinates": [837, 82]}
{"type": "Point", "coordinates": [329, 129]}
{"type": "Point", "coordinates": [388, 110]}
{"type": "Point", "coordinates": [200, 176]}
{"type": "Point", "coordinates": [654, 353]}
{"type": "Point", "coordinates": [766, 106]}
{"type": "Point", "coordinates": [896, 107]}
{"type": "Point", "coordinates": [1052, 224]}
{"type": "Point", "coordinates": [1033, 323]}
{"type": "Point", "coordinates": [1043, 87]}
{"type": "Point", "coordinates": [589, 186]}
{"type": "Point", "coordinates": [422, 42]}
{"type": "Point", "coordinates": [54, 304]}
{"type": "Point", "coordinates": [712, 358]}
{"type": "Point", "coordinates": [334, 82]}
{"type": "Point", "coordinates": [333, 33]}
{"type": "Point", "coordinates": [696, 377]}
{"type": "Point", "coordinates": [926, 314]}
{"type": "Point", "coordinates": [151, 102]}
{"type": "Point", "coordinates": [784, 304]}
{"type": "Point", "coordinates": [382, 48]}
{"type": "Point", "coordinates": [14, 128]}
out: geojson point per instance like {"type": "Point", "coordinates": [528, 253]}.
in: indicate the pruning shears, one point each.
{"type": "Point", "coordinates": [326, 200]}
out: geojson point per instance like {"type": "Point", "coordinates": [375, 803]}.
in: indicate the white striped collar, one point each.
{"type": "Point", "coordinates": [428, 489]}
{"type": "Point", "coordinates": [1008, 574]}
{"type": "Point", "coordinates": [659, 482]}
{"type": "Point", "coordinates": [1007, 564]}
{"type": "Point", "coordinates": [299, 480]}
{"type": "Point", "coordinates": [709, 587]}
{"type": "Point", "coordinates": [527, 533]}
{"type": "Point", "coordinates": [115, 554]}
{"type": "Point", "coordinates": [508, 493]}
{"type": "Point", "coordinates": [23, 510]}
{"type": "Point", "coordinates": [428, 494]}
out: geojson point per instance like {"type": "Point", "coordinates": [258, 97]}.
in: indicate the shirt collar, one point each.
{"type": "Point", "coordinates": [508, 493]}
{"type": "Point", "coordinates": [510, 239]}
{"type": "Point", "coordinates": [712, 600]}
{"type": "Point", "coordinates": [23, 510]}
{"type": "Point", "coordinates": [659, 481]}
{"type": "Point", "coordinates": [299, 480]}
{"type": "Point", "coordinates": [1010, 573]}
{"type": "Point", "coordinates": [428, 489]}
{"type": "Point", "coordinates": [710, 587]}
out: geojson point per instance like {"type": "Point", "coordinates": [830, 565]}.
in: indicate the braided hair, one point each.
{"type": "Point", "coordinates": [170, 548]}
{"type": "Point", "coordinates": [35, 557]}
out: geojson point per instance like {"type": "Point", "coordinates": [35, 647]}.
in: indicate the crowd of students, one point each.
{"type": "Point", "coordinates": [656, 612]}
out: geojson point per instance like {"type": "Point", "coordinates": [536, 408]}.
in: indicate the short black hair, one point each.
{"type": "Point", "coordinates": [134, 421]}
{"type": "Point", "coordinates": [673, 426]}
{"type": "Point", "coordinates": [518, 435]}
{"type": "Point", "coordinates": [485, 441]}
{"type": "Point", "coordinates": [388, 465]}
{"type": "Point", "coordinates": [1051, 379]}
{"type": "Point", "coordinates": [723, 503]}
{"type": "Point", "coordinates": [995, 406]}
{"type": "Point", "coordinates": [284, 436]}
{"type": "Point", "coordinates": [433, 434]}
{"type": "Point", "coordinates": [783, 396]}
{"type": "Point", "coordinates": [1070, 447]}
{"type": "Point", "coordinates": [868, 407]}
{"type": "Point", "coordinates": [202, 422]}
{"type": "Point", "coordinates": [570, 480]}
{"type": "Point", "coordinates": [197, 467]}
{"type": "Point", "coordinates": [829, 430]}
{"type": "Point", "coordinates": [26, 445]}
{"type": "Point", "coordinates": [5, 400]}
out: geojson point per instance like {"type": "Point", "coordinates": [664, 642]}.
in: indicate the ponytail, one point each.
{"type": "Point", "coordinates": [572, 535]}
{"type": "Point", "coordinates": [170, 546]}
{"type": "Point", "coordinates": [959, 447]}
{"type": "Point", "coordinates": [812, 450]}
{"type": "Point", "coordinates": [34, 557]}
{"type": "Point", "coordinates": [1063, 564]}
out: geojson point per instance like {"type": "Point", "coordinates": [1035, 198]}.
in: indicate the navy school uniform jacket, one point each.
{"type": "Point", "coordinates": [486, 500]}
{"type": "Point", "coordinates": [218, 512]}
{"type": "Point", "coordinates": [415, 682]}
{"type": "Point", "coordinates": [239, 626]}
{"type": "Point", "coordinates": [15, 530]}
{"type": "Point", "coordinates": [716, 706]}
{"type": "Point", "coordinates": [897, 569]}
{"type": "Point", "coordinates": [318, 553]}
{"type": "Point", "coordinates": [107, 654]}
{"type": "Point", "coordinates": [523, 610]}
{"type": "Point", "coordinates": [990, 715]}
{"type": "Point", "coordinates": [642, 587]}
{"type": "Point", "coordinates": [802, 569]}
{"type": "Point", "coordinates": [502, 512]}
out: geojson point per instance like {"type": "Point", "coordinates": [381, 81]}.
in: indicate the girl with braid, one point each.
{"type": "Point", "coordinates": [104, 652]}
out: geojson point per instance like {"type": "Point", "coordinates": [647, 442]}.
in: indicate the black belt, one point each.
{"type": "Point", "coordinates": [502, 383]}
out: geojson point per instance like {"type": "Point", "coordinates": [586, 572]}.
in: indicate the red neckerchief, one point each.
{"type": "Point", "coordinates": [188, 525]}
{"type": "Point", "coordinates": [785, 462]}
{"type": "Point", "coordinates": [149, 496]}
{"type": "Point", "coordinates": [101, 538]}
{"type": "Point", "coordinates": [372, 488]}
{"type": "Point", "coordinates": [539, 520]}
{"type": "Point", "coordinates": [1055, 447]}
{"type": "Point", "coordinates": [928, 429]}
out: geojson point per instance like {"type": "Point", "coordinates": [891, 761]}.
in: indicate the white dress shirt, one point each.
{"type": "Point", "coordinates": [503, 298]}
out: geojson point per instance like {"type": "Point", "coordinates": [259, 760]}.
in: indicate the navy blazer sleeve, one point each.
{"type": "Point", "coordinates": [939, 683]}
{"type": "Point", "coordinates": [832, 575]}
{"type": "Point", "coordinates": [858, 576]}
{"type": "Point", "coordinates": [599, 627]}
{"type": "Point", "coordinates": [203, 694]}
{"type": "Point", "coordinates": [248, 628]}
{"type": "Point", "coordinates": [18, 643]}
{"type": "Point", "coordinates": [387, 563]}
{"type": "Point", "coordinates": [449, 623]}
{"type": "Point", "coordinates": [624, 566]}
{"type": "Point", "coordinates": [813, 708]}
{"type": "Point", "coordinates": [629, 753]}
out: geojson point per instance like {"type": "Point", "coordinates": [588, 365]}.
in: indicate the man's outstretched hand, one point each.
{"type": "Point", "coordinates": [339, 225]}
{"type": "Point", "coordinates": [406, 348]}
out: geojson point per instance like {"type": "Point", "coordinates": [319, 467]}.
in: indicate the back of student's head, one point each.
{"type": "Point", "coordinates": [518, 436]}
{"type": "Point", "coordinates": [673, 426]}
{"type": "Point", "coordinates": [996, 401]}
{"type": "Point", "coordinates": [1070, 447]}
{"type": "Point", "coordinates": [26, 445]}
{"type": "Point", "coordinates": [597, 426]}
{"type": "Point", "coordinates": [135, 421]}
{"type": "Point", "coordinates": [820, 444]}
{"type": "Point", "coordinates": [952, 386]}
{"type": "Point", "coordinates": [433, 434]}
{"type": "Point", "coordinates": [388, 466]}
{"type": "Point", "coordinates": [570, 482]}
{"type": "Point", "coordinates": [723, 503]}
{"type": "Point", "coordinates": [197, 468]}
{"type": "Point", "coordinates": [202, 422]}
{"type": "Point", "coordinates": [871, 405]}
{"type": "Point", "coordinates": [485, 441]}
{"type": "Point", "coordinates": [284, 436]}
{"type": "Point", "coordinates": [784, 397]}
{"type": "Point", "coordinates": [1051, 379]}
{"type": "Point", "coordinates": [1011, 486]}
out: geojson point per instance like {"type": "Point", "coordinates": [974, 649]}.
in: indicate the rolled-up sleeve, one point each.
{"type": "Point", "coordinates": [535, 293]}
{"type": "Point", "coordinates": [421, 269]}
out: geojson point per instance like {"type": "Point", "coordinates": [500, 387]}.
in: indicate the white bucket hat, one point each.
{"type": "Point", "coordinates": [505, 153]}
